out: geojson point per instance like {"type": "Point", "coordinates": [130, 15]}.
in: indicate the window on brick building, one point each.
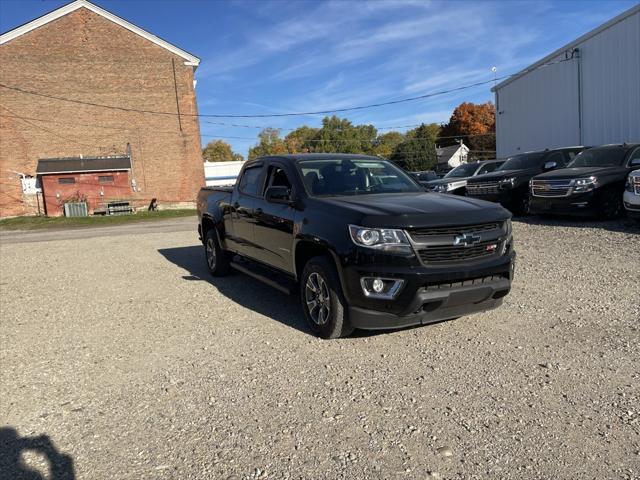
{"type": "Point", "coordinates": [66, 180]}
{"type": "Point", "coordinates": [105, 179]}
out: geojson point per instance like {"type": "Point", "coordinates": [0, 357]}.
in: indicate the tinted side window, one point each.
{"type": "Point", "coordinates": [489, 167]}
{"type": "Point", "coordinates": [635, 155]}
{"type": "Point", "coordinates": [249, 180]}
{"type": "Point", "coordinates": [557, 157]}
{"type": "Point", "coordinates": [278, 178]}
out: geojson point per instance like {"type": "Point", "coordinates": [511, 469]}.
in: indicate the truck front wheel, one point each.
{"type": "Point", "coordinates": [323, 302]}
{"type": "Point", "coordinates": [217, 260]}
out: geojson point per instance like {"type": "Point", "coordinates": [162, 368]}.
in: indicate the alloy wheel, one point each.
{"type": "Point", "coordinates": [317, 298]}
{"type": "Point", "coordinates": [211, 253]}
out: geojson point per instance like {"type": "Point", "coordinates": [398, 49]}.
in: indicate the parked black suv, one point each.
{"type": "Point", "coordinates": [362, 242]}
{"type": "Point", "coordinates": [591, 185]}
{"type": "Point", "coordinates": [455, 182]}
{"type": "Point", "coordinates": [509, 184]}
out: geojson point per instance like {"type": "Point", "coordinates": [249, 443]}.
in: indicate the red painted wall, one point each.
{"type": "Point", "coordinates": [86, 184]}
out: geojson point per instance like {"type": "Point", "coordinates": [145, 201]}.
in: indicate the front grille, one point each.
{"type": "Point", "coordinates": [458, 253]}
{"type": "Point", "coordinates": [636, 186]}
{"type": "Point", "coordinates": [419, 234]}
{"type": "Point", "coordinates": [464, 283]}
{"type": "Point", "coordinates": [551, 188]}
{"type": "Point", "coordinates": [479, 188]}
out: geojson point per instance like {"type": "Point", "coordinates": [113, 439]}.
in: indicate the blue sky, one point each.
{"type": "Point", "coordinates": [262, 57]}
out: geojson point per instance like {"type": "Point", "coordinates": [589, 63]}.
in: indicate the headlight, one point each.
{"type": "Point", "coordinates": [584, 184]}
{"type": "Point", "coordinates": [387, 239]}
{"type": "Point", "coordinates": [629, 185]}
{"type": "Point", "coordinates": [441, 188]}
{"type": "Point", "coordinates": [508, 182]}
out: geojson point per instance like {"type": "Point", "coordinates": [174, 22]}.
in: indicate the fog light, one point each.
{"type": "Point", "coordinates": [383, 288]}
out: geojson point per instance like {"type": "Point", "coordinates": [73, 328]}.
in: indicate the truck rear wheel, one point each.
{"type": "Point", "coordinates": [323, 302]}
{"type": "Point", "coordinates": [217, 260]}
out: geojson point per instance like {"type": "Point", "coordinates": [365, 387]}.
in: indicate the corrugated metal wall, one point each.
{"type": "Point", "coordinates": [541, 109]}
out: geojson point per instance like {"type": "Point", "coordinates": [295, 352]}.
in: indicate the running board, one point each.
{"type": "Point", "coordinates": [264, 275]}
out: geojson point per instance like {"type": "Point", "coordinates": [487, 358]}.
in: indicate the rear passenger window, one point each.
{"type": "Point", "coordinates": [249, 180]}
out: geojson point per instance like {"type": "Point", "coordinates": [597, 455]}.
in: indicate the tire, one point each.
{"type": "Point", "coordinates": [216, 259]}
{"type": "Point", "coordinates": [521, 206]}
{"type": "Point", "coordinates": [323, 303]}
{"type": "Point", "coordinates": [611, 205]}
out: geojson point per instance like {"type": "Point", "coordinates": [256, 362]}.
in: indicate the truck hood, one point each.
{"type": "Point", "coordinates": [502, 174]}
{"type": "Point", "coordinates": [444, 181]}
{"type": "Point", "coordinates": [580, 172]}
{"type": "Point", "coordinates": [408, 210]}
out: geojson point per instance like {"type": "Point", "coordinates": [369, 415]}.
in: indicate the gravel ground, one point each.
{"type": "Point", "coordinates": [122, 359]}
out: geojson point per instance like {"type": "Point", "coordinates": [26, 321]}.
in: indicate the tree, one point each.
{"type": "Point", "coordinates": [218, 151]}
{"type": "Point", "coordinates": [269, 143]}
{"type": "Point", "coordinates": [340, 135]}
{"type": "Point", "coordinates": [477, 120]}
{"type": "Point", "coordinates": [418, 152]}
{"type": "Point", "coordinates": [301, 140]}
{"type": "Point", "coordinates": [387, 143]}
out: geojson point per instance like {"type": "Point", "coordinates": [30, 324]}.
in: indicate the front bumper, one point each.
{"type": "Point", "coordinates": [631, 204]}
{"type": "Point", "coordinates": [429, 294]}
{"type": "Point", "coordinates": [583, 204]}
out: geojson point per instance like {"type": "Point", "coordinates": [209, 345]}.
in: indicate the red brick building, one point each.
{"type": "Point", "coordinates": [82, 83]}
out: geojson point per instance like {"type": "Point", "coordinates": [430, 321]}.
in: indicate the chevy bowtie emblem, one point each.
{"type": "Point", "coordinates": [466, 239]}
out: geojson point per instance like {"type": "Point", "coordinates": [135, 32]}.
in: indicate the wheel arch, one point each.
{"type": "Point", "coordinates": [306, 249]}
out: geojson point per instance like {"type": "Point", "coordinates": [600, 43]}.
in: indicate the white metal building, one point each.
{"type": "Point", "coordinates": [585, 93]}
{"type": "Point", "coordinates": [221, 173]}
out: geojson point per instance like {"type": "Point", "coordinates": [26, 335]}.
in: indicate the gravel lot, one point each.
{"type": "Point", "coordinates": [135, 364]}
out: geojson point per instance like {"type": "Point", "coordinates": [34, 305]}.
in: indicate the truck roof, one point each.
{"type": "Point", "coordinates": [297, 157]}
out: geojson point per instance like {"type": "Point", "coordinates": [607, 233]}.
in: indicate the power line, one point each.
{"type": "Point", "coordinates": [266, 115]}
{"type": "Point", "coordinates": [290, 114]}
{"type": "Point", "coordinates": [205, 135]}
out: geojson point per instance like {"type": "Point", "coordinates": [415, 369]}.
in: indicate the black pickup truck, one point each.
{"type": "Point", "coordinates": [591, 185]}
{"type": "Point", "coordinates": [509, 183]}
{"type": "Point", "coordinates": [362, 242]}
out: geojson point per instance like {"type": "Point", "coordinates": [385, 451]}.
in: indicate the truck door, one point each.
{"type": "Point", "coordinates": [241, 239]}
{"type": "Point", "coordinates": [274, 222]}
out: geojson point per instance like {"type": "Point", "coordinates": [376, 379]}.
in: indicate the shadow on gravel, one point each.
{"type": "Point", "coordinates": [239, 288]}
{"type": "Point", "coordinates": [625, 225]}
{"type": "Point", "coordinates": [12, 466]}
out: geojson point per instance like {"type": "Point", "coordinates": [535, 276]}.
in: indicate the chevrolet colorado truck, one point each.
{"type": "Point", "coordinates": [509, 183]}
{"type": "Point", "coordinates": [359, 239]}
{"type": "Point", "coordinates": [591, 185]}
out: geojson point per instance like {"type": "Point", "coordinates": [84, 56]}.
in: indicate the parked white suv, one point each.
{"type": "Point", "coordinates": [632, 195]}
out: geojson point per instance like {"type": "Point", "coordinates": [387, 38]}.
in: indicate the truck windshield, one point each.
{"type": "Point", "coordinates": [464, 170]}
{"type": "Point", "coordinates": [336, 177]}
{"type": "Point", "coordinates": [599, 157]}
{"type": "Point", "coordinates": [522, 162]}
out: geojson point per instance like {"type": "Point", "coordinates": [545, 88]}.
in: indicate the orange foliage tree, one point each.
{"type": "Point", "coordinates": [478, 120]}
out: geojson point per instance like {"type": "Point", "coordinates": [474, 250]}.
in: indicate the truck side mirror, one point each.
{"type": "Point", "coordinates": [550, 166]}
{"type": "Point", "coordinates": [278, 195]}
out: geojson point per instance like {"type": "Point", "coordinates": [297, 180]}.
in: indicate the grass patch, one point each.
{"type": "Point", "coordinates": [34, 223]}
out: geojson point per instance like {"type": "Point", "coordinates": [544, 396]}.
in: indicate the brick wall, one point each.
{"type": "Point", "coordinates": [86, 57]}
{"type": "Point", "coordinates": [89, 186]}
